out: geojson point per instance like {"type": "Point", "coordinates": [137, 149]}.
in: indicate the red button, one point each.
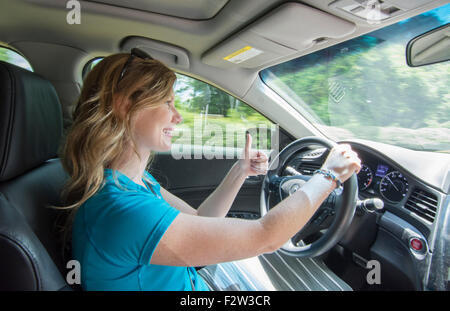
{"type": "Point", "coordinates": [416, 244]}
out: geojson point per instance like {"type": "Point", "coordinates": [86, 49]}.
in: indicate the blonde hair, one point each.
{"type": "Point", "coordinates": [101, 128]}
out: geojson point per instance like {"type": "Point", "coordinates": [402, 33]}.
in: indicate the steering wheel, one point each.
{"type": "Point", "coordinates": [335, 214]}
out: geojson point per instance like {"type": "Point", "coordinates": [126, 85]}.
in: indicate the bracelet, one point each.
{"type": "Point", "coordinates": [329, 174]}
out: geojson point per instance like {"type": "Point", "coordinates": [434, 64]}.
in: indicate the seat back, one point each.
{"type": "Point", "coordinates": [31, 179]}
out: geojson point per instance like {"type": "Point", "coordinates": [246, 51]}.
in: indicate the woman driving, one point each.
{"type": "Point", "coordinates": [128, 232]}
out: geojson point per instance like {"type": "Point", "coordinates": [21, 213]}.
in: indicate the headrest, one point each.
{"type": "Point", "coordinates": [30, 121]}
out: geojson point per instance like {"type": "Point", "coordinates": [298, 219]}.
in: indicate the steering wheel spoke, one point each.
{"type": "Point", "coordinates": [321, 220]}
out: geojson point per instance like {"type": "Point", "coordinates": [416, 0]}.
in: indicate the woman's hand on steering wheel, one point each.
{"type": "Point", "coordinates": [343, 161]}
{"type": "Point", "coordinates": [252, 162]}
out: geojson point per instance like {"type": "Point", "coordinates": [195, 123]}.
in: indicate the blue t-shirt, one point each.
{"type": "Point", "coordinates": [115, 233]}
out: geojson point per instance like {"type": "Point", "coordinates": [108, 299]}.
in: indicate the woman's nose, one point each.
{"type": "Point", "coordinates": [177, 117]}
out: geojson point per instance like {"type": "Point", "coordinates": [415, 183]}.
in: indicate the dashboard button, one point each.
{"type": "Point", "coordinates": [416, 244]}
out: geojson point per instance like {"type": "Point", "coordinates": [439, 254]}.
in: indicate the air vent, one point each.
{"type": "Point", "coordinates": [306, 168]}
{"type": "Point", "coordinates": [423, 204]}
{"type": "Point", "coordinates": [314, 154]}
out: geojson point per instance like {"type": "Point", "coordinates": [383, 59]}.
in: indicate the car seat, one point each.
{"type": "Point", "coordinates": [31, 179]}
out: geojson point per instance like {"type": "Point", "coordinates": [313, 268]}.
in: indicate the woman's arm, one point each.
{"type": "Point", "coordinates": [198, 241]}
{"type": "Point", "coordinates": [178, 203]}
{"type": "Point", "coordinates": [219, 202]}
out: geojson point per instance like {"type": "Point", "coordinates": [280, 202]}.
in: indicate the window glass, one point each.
{"type": "Point", "coordinates": [212, 118]}
{"type": "Point", "coordinates": [90, 64]}
{"type": "Point", "coordinates": [213, 121]}
{"type": "Point", "coordinates": [12, 57]}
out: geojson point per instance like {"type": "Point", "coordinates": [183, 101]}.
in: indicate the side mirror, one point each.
{"type": "Point", "coordinates": [429, 48]}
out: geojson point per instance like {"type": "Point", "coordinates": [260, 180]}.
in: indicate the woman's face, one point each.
{"type": "Point", "coordinates": [153, 127]}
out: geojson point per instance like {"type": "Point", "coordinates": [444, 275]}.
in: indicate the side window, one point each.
{"type": "Point", "coordinates": [12, 57]}
{"type": "Point", "coordinates": [214, 123]}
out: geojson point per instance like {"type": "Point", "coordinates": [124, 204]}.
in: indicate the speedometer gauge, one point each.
{"type": "Point", "coordinates": [394, 186]}
{"type": "Point", "coordinates": [365, 177]}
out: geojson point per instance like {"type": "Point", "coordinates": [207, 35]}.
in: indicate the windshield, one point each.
{"type": "Point", "coordinates": [364, 89]}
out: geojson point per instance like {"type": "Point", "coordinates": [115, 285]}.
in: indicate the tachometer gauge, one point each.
{"type": "Point", "coordinates": [394, 186]}
{"type": "Point", "coordinates": [365, 177]}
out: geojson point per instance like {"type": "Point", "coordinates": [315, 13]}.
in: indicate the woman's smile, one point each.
{"type": "Point", "coordinates": [168, 131]}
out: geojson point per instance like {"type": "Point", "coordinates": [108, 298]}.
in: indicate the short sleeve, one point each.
{"type": "Point", "coordinates": [132, 228]}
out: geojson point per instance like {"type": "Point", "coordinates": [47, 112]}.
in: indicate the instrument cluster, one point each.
{"type": "Point", "coordinates": [381, 179]}
{"type": "Point", "coordinates": [375, 179]}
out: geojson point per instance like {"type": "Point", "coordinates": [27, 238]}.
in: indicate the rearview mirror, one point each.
{"type": "Point", "coordinates": [429, 48]}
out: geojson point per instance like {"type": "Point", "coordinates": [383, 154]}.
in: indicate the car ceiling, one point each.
{"type": "Point", "coordinates": [187, 9]}
{"type": "Point", "coordinates": [38, 29]}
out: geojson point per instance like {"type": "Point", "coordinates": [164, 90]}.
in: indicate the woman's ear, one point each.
{"type": "Point", "coordinates": [121, 106]}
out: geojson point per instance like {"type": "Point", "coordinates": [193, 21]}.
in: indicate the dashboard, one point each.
{"type": "Point", "coordinates": [403, 192]}
{"type": "Point", "coordinates": [414, 187]}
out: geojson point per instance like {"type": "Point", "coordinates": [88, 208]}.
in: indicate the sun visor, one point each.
{"type": "Point", "coordinates": [290, 28]}
{"type": "Point", "coordinates": [172, 56]}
